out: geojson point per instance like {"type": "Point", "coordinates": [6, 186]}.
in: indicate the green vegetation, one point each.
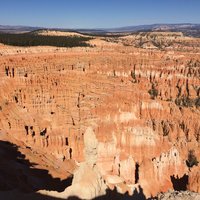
{"type": "Point", "coordinates": [27, 39]}
{"type": "Point", "coordinates": [133, 76]}
{"type": "Point", "coordinates": [166, 127]}
{"type": "Point", "coordinates": [187, 102]}
{"type": "Point", "coordinates": [192, 159]}
{"type": "Point", "coordinates": [153, 92]}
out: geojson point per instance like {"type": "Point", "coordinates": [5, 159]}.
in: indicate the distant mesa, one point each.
{"type": "Point", "coordinates": [188, 29]}
{"type": "Point", "coordinates": [47, 32]}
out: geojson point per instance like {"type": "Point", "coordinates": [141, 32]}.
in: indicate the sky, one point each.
{"type": "Point", "coordinates": [97, 13]}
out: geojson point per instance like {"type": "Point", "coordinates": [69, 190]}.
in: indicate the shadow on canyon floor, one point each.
{"type": "Point", "coordinates": [16, 195]}
{"type": "Point", "coordinates": [18, 173]}
{"type": "Point", "coordinates": [18, 180]}
{"type": "Point", "coordinates": [180, 184]}
{"type": "Point", "coordinates": [117, 196]}
{"type": "Point", "coordinates": [114, 195]}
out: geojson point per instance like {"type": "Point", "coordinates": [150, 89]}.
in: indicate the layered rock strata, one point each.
{"type": "Point", "coordinates": [142, 103]}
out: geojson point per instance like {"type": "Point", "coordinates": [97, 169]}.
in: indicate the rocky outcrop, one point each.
{"type": "Point", "coordinates": [179, 196]}
{"type": "Point", "coordinates": [160, 40]}
{"type": "Point", "coordinates": [87, 181]}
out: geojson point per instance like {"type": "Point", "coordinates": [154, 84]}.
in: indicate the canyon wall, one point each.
{"type": "Point", "coordinates": [143, 104]}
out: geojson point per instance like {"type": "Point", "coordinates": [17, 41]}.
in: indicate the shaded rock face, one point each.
{"type": "Point", "coordinates": [143, 105]}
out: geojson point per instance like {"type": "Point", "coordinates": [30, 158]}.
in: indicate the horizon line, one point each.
{"type": "Point", "coordinates": [98, 28]}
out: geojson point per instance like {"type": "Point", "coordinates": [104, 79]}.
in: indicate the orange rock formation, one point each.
{"type": "Point", "coordinates": [143, 104]}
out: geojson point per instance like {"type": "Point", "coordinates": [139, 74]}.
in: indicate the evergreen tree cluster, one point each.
{"type": "Point", "coordinates": [27, 39]}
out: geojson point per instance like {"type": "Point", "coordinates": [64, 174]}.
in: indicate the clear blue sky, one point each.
{"type": "Point", "coordinates": [97, 13]}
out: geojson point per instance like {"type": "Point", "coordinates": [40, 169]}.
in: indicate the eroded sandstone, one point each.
{"type": "Point", "coordinates": [143, 104]}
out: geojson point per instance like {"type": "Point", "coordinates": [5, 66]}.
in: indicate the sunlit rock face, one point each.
{"type": "Point", "coordinates": [142, 104]}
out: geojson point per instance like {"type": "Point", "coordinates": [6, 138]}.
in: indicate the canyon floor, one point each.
{"type": "Point", "coordinates": [117, 120]}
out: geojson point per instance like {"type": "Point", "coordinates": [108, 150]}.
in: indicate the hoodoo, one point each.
{"type": "Point", "coordinates": [119, 115]}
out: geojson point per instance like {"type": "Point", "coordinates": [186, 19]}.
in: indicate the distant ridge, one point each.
{"type": "Point", "coordinates": [155, 26]}
{"type": "Point", "coordinates": [17, 29]}
{"type": "Point", "coordinates": [187, 28]}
